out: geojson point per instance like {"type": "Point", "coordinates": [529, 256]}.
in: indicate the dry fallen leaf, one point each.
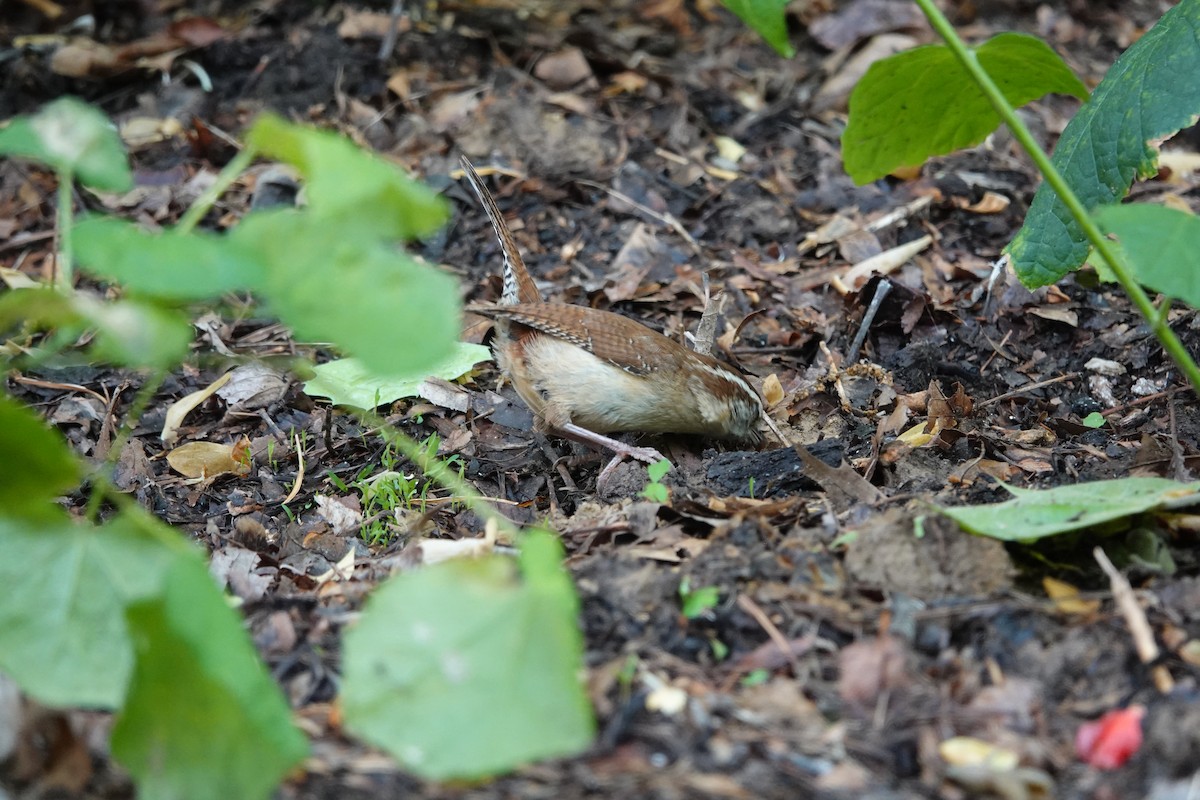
{"type": "Point", "coordinates": [183, 406]}
{"type": "Point", "coordinates": [205, 460]}
{"type": "Point", "coordinates": [1066, 597]}
{"type": "Point", "coordinates": [968, 751]}
{"type": "Point", "coordinates": [563, 69]}
{"type": "Point", "coordinates": [772, 389]}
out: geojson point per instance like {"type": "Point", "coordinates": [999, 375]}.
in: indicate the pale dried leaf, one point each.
{"type": "Point", "coordinates": [184, 405]}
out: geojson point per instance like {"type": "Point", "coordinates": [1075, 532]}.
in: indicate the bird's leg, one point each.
{"type": "Point", "coordinates": [621, 451]}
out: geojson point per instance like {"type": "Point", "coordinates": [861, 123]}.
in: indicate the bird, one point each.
{"type": "Point", "coordinates": [586, 372]}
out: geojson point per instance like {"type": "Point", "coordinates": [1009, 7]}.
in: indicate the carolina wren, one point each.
{"type": "Point", "coordinates": [585, 372]}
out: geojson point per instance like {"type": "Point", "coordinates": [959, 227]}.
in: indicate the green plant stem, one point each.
{"type": "Point", "coordinates": [437, 470]}
{"type": "Point", "coordinates": [1157, 323]}
{"type": "Point", "coordinates": [209, 196]}
{"type": "Point", "coordinates": [101, 485]}
{"type": "Point", "coordinates": [64, 264]}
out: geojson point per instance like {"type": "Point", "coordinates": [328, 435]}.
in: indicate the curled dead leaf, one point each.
{"type": "Point", "coordinates": [183, 406]}
{"type": "Point", "coordinates": [772, 390]}
{"type": "Point", "coordinates": [205, 460]}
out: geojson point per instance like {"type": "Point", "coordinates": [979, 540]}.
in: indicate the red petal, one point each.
{"type": "Point", "coordinates": [1108, 742]}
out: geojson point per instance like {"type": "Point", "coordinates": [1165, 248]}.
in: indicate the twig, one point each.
{"type": "Point", "coordinates": [760, 616]}
{"type": "Point", "coordinates": [389, 40]}
{"type": "Point", "coordinates": [881, 291]}
{"type": "Point", "coordinates": [1135, 618]}
{"type": "Point", "coordinates": [665, 218]}
{"type": "Point", "coordinates": [1030, 388]}
{"type": "Point", "coordinates": [299, 472]}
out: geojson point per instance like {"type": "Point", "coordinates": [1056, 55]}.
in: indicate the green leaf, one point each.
{"type": "Point", "coordinates": [1161, 246]}
{"type": "Point", "coordinates": [396, 316]}
{"type": "Point", "coordinates": [35, 464]}
{"type": "Point", "coordinates": [41, 307]}
{"type": "Point", "coordinates": [203, 719]}
{"type": "Point", "coordinates": [62, 627]}
{"type": "Point", "coordinates": [130, 332]}
{"type": "Point", "coordinates": [755, 677]}
{"type": "Point", "coordinates": [172, 266]}
{"type": "Point", "coordinates": [656, 493]}
{"type": "Point", "coordinates": [922, 102]}
{"type": "Point", "coordinates": [71, 136]}
{"type": "Point", "coordinates": [346, 382]}
{"type": "Point", "coordinates": [1032, 514]}
{"type": "Point", "coordinates": [352, 191]}
{"type": "Point", "coordinates": [697, 603]}
{"type": "Point", "coordinates": [1147, 95]}
{"type": "Point", "coordinates": [136, 333]}
{"type": "Point", "coordinates": [658, 469]}
{"type": "Point", "coordinates": [1094, 420]}
{"type": "Point", "coordinates": [461, 669]}
{"type": "Point", "coordinates": [768, 19]}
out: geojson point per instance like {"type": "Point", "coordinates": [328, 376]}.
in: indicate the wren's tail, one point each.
{"type": "Point", "coordinates": [518, 284]}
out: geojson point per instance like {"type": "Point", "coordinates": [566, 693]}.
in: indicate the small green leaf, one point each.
{"type": "Point", "coordinates": [71, 136]}
{"type": "Point", "coordinates": [461, 669]}
{"type": "Point", "coordinates": [658, 470]}
{"type": "Point", "coordinates": [922, 102]}
{"type": "Point", "coordinates": [1147, 95]}
{"type": "Point", "coordinates": [720, 650]}
{"type": "Point", "coordinates": [346, 382]}
{"type": "Point", "coordinates": [396, 316]}
{"type": "Point", "coordinates": [699, 602]}
{"type": "Point", "coordinates": [203, 719]}
{"type": "Point", "coordinates": [352, 191]}
{"type": "Point", "coordinates": [768, 19]}
{"type": "Point", "coordinates": [62, 627]}
{"type": "Point", "coordinates": [755, 677]}
{"type": "Point", "coordinates": [656, 493]}
{"type": "Point", "coordinates": [172, 266]}
{"type": "Point", "coordinates": [1161, 245]}
{"type": "Point", "coordinates": [1032, 514]}
{"type": "Point", "coordinates": [35, 464]}
{"type": "Point", "coordinates": [1094, 420]}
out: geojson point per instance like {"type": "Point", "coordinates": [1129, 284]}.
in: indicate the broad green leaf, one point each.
{"type": "Point", "coordinates": [1094, 420]}
{"type": "Point", "coordinates": [135, 333]}
{"type": "Point", "coordinates": [40, 307]}
{"type": "Point", "coordinates": [202, 719]}
{"type": "Point", "coordinates": [346, 382]}
{"type": "Point", "coordinates": [1161, 246]}
{"type": "Point", "coordinates": [1147, 95]}
{"type": "Point", "coordinates": [35, 464]}
{"type": "Point", "coordinates": [71, 136]}
{"type": "Point", "coordinates": [351, 191]}
{"type": "Point", "coordinates": [62, 625]}
{"type": "Point", "coordinates": [172, 266]}
{"type": "Point", "coordinates": [376, 303]}
{"type": "Point", "coordinates": [922, 102]}
{"type": "Point", "coordinates": [767, 19]}
{"type": "Point", "coordinates": [462, 669]}
{"type": "Point", "coordinates": [1033, 514]}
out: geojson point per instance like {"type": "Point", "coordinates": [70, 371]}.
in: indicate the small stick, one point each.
{"type": "Point", "coordinates": [389, 40]}
{"type": "Point", "coordinates": [667, 219]}
{"type": "Point", "coordinates": [1135, 618]}
{"type": "Point", "coordinates": [752, 608]}
{"type": "Point", "coordinates": [1030, 388]}
{"type": "Point", "coordinates": [881, 291]}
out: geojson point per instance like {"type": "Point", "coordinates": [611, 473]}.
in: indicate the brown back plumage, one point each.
{"type": "Point", "coordinates": [518, 283]}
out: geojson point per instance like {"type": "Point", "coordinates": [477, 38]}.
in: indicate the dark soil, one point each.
{"type": "Point", "coordinates": [896, 642]}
